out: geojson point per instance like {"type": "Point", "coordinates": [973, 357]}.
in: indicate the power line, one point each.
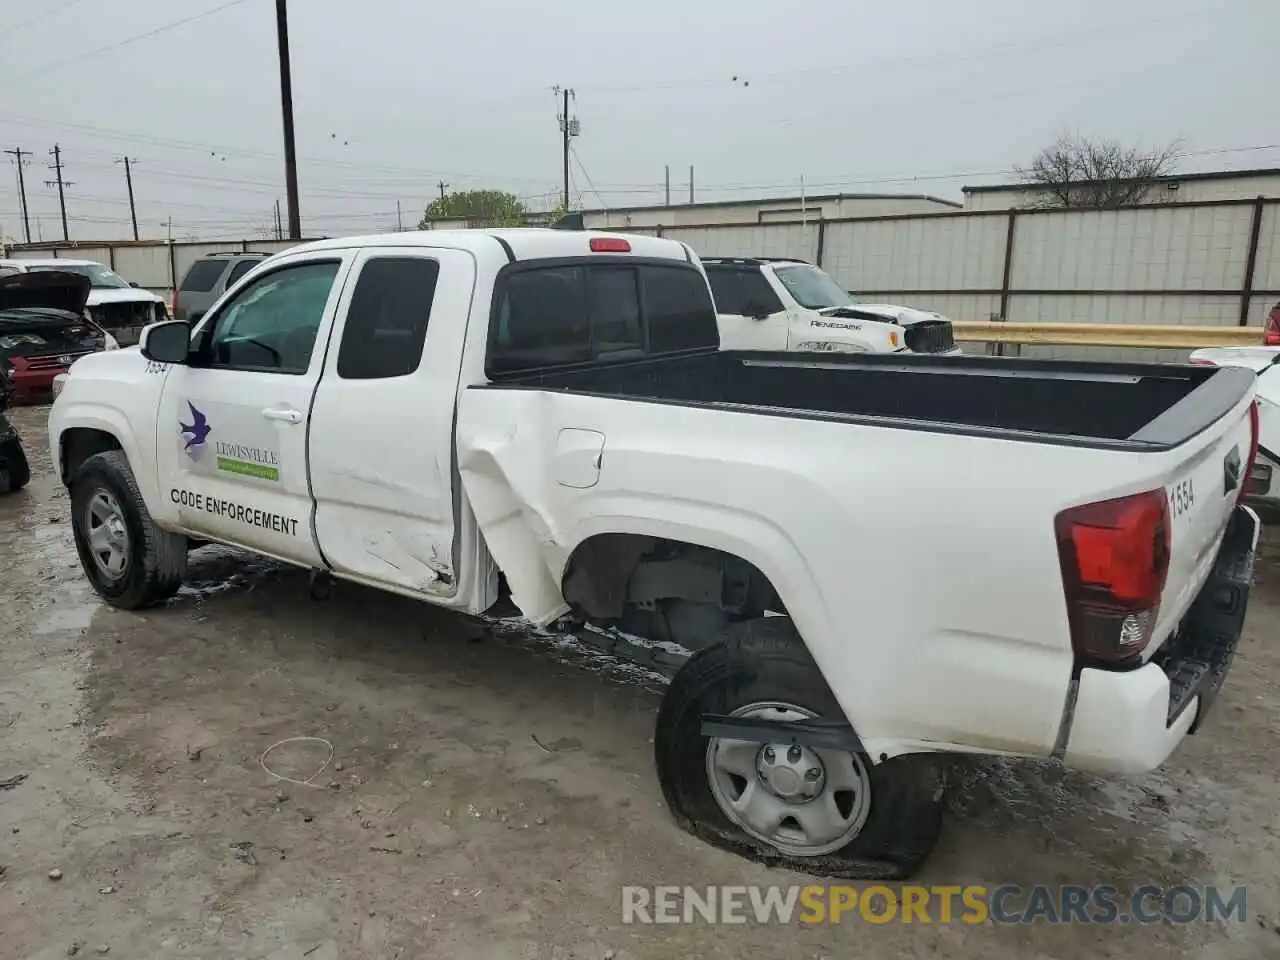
{"type": "Point", "coordinates": [586, 176]}
{"type": "Point", "coordinates": [115, 133]}
{"type": "Point", "coordinates": [9, 31]}
{"type": "Point", "coordinates": [173, 25]}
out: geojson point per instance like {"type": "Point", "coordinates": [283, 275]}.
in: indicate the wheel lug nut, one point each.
{"type": "Point", "coordinates": [812, 774]}
{"type": "Point", "coordinates": [794, 753]}
{"type": "Point", "coordinates": [768, 755]}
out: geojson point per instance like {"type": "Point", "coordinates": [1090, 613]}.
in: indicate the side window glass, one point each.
{"type": "Point", "coordinates": [271, 325]}
{"type": "Point", "coordinates": [726, 288]}
{"type": "Point", "coordinates": [758, 295]}
{"type": "Point", "coordinates": [615, 309]}
{"type": "Point", "coordinates": [542, 320]}
{"type": "Point", "coordinates": [387, 321]}
{"type": "Point", "coordinates": [239, 270]}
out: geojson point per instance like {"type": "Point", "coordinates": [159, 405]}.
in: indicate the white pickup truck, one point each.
{"type": "Point", "coordinates": [777, 303]}
{"type": "Point", "coordinates": [877, 561]}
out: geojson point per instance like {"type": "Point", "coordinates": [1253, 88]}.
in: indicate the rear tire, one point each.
{"type": "Point", "coordinates": [764, 662]}
{"type": "Point", "coordinates": [129, 560]}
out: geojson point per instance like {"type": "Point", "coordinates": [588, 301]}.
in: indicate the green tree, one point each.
{"type": "Point", "coordinates": [483, 208]}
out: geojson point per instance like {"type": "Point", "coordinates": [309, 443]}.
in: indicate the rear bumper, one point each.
{"type": "Point", "coordinates": [1129, 722]}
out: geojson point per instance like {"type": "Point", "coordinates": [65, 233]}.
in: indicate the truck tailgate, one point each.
{"type": "Point", "coordinates": [1202, 485]}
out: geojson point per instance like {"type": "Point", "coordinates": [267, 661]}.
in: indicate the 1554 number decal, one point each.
{"type": "Point", "coordinates": [1182, 497]}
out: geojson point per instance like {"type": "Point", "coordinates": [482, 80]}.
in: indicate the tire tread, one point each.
{"type": "Point", "coordinates": [163, 554]}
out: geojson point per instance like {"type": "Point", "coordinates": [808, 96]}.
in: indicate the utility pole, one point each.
{"type": "Point", "coordinates": [443, 187]}
{"type": "Point", "coordinates": [569, 128]}
{"type": "Point", "coordinates": [18, 153]}
{"type": "Point", "coordinates": [128, 180]}
{"type": "Point", "coordinates": [279, 224]}
{"type": "Point", "coordinates": [399, 222]}
{"type": "Point", "coordinates": [668, 168]}
{"type": "Point", "coordinates": [691, 183]}
{"type": "Point", "coordinates": [286, 112]}
{"type": "Point", "coordinates": [56, 166]}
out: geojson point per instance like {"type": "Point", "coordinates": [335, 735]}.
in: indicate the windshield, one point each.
{"type": "Point", "coordinates": [811, 288]}
{"type": "Point", "coordinates": [100, 278]}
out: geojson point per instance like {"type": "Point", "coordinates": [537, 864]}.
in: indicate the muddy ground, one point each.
{"type": "Point", "coordinates": [489, 796]}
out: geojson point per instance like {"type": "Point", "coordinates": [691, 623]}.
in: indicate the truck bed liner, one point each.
{"type": "Point", "coordinates": [1136, 406]}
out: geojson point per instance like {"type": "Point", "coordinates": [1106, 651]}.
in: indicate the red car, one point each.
{"type": "Point", "coordinates": [44, 329]}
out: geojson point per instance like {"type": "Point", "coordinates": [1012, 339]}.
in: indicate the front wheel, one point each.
{"type": "Point", "coordinates": [129, 560]}
{"type": "Point", "coordinates": [822, 811]}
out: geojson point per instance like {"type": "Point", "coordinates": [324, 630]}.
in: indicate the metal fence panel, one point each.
{"type": "Point", "coordinates": [957, 306]}
{"type": "Point", "coordinates": [751, 240]}
{"type": "Point", "coordinates": [147, 266]}
{"type": "Point", "coordinates": [1187, 248]}
{"type": "Point", "coordinates": [1266, 274]}
{"type": "Point", "coordinates": [917, 253]}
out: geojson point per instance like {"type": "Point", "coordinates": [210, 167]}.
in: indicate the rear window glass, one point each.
{"type": "Point", "coordinates": [615, 309]}
{"type": "Point", "coordinates": [681, 316]}
{"type": "Point", "coordinates": [202, 275]}
{"type": "Point", "coordinates": [240, 269]}
{"type": "Point", "coordinates": [547, 316]}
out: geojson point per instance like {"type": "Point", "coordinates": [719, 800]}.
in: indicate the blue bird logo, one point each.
{"type": "Point", "coordinates": [197, 430]}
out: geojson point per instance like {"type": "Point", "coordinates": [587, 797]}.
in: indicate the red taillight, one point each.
{"type": "Point", "coordinates": [1200, 362]}
{"type": "Point", "coordinates": [1255, 430]}
{"type": "Point", "coordinates": [1115, 558]}
{"type": "Point", "coordinates": [1271, 336]}
{"type": "Point", "coordinates": [610, 245]}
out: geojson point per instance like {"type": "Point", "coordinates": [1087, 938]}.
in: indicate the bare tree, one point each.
{"type": "Point", "coordinates": [1078, 172]}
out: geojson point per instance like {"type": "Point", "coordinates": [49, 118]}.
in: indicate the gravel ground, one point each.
{"type": "Point", "coordinates": [489, 793]}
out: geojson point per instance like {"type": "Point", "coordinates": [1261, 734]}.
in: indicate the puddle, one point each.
{"type": "Point", "coordinates": [73, 614]}
{"type": "Point", "coordinates": [572, 651]}
{"type": "Point", "coordinates": [217, 569]}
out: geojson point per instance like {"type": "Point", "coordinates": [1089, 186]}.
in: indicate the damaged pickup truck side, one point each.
{"type": "Point", "coordinates": [876, 561]}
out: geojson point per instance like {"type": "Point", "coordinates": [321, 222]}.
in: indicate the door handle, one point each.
{"type": "Point", "coordinates": [285, 414]}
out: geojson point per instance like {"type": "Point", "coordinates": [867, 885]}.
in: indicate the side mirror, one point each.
{"type": "Point", "coordinates": [133, 283]}
{"type": "Point", "coordinates": [757, 312]}
{"type": "Point", "coordinates": [167, 342]}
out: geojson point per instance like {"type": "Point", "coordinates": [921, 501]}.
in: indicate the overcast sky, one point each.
{"type": "Point", "coordinates": [392, 96]}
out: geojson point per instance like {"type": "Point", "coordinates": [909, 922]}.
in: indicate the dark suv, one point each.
{"type": "Point", "coordinates": [207, 279]}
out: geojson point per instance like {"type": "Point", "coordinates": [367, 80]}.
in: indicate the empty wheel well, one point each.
{"type": "Point", "coordinates": [79, 444]}
{"type": "Point", "coordinates": [664, 589]}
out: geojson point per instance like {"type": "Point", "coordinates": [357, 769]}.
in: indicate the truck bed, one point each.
{"type": "Point", "coordinates": [1136, 406]}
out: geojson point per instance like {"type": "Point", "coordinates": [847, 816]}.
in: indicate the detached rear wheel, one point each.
{"type": "Point", "coordinates": [130, 561]}
{"type": "Point", "coordinates": [827, 812]}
